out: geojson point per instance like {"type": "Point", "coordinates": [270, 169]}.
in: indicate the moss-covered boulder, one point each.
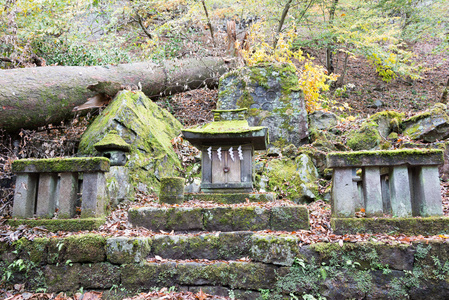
{"type": "Point", "coordinates": [428, 126]}
{"type": "Point", "coordinates": [387, 122]}
{"type": "Point", "coordinates": [365, 138]}
{"type": "Point", "coordinates": [147, 128]}
{"type": "Point", "coordinates": [273, 99]}
{"type": "Point", "coordinates": [294, 178]}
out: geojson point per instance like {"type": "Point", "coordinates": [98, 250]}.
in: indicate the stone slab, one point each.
{"type": "Point", "coordinates": [426, 192]}
{"type": "Point", "coordinates": [67, 195]}
{"type": "Point", "coordinates": [25, 195]}
{"type": "Point", "coordinates": [231, 198]}
{"type": "Point", "coordinates": [226, 219]}
{"type": "Point", "coordinates": [289, 218]}
{"type": "Point", "coordinates": [57, 165]}
{"type": "Point", "coordinates": [342, 195]}
{"type": "Point", "coordinates": [400, 198]}
{"type": "Point", "coordinates": [410, 157]}
{"type": "Point", "coordinates": [95, 195]}
{"type": "Point", "coordinates": [407, 226]}
{"type": "Point", "coordinates": [372, 191]}
{"type": "Point", "coordinates": [46, 198]}
{"type": "Point", "coordinates": [54, 225]}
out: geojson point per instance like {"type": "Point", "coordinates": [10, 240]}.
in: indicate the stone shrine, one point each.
{"type": "Point", "coordinates": [227, 145]}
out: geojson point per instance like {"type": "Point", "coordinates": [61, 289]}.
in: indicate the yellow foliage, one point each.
{"type": "Point", "coordinates": [312, 78]}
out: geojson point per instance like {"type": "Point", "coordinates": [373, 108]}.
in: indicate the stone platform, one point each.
{"type": "Point", "coordinates": [231, 198]}
{"type": "Point", "coordinates": [229, 218]}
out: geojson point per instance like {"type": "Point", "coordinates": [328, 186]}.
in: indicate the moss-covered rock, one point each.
{"type": "Point", "coordinates": [185, 218]}
{"type": "Point", "coordinates": [99, 276]}
{"type": "Point", "coordinates": [273, 99]}
{"type": "Point", "coordinates": [295, 178]}
{"type": "Point", "coordinates": [387, 121]}
{"type": "Point", "coordinates": [289, 218]}
{"type": "Point", "coordinates": [429, 126]}
{"type": "Point", "coordinates": [85, 248]}
{"type": "Point", "coordinates": [365, 138]}
{"type": "Point", "coordinates": [122, 250]}
{"type": "Point", "coordinates": [274, 250]}
{"type": "Point", "coordinates": [147, 128]}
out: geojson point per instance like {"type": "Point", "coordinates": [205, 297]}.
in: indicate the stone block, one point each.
{"type": "Point", "coordinates": [410, 157]}
{"type": "Point", "coordinates": [234, 245]}
{"type": "Point", "coordinates": [61, 165]}
{"type": "Point", "coordinates": [25, 195]}
{"type": "Point", "coordinates": [400, 198]}
{"type": "Point", "coordinates": [68, 190]}
{"type": "Point", "coordinates": [170, 246]}
{"type": "Point", "coordinates": [218, 219]}
{"type": "Point", "coordinates": [372, 191]}
{"type": "Point", "coordinates": [123, 250]}
{"type": "Point", "coordinates": [342, 193]}
{"type": "Point", "coordinates": [262, 276]}
{"type": "Point", "coordinates": [62, 277]}
{"type": "Point", "coordinates": [203, 246]}
{"type": "Point", "coordinates": [99, 276]}
{"type": "Point", "coordinates": [184, 219]}
{"type": "Point", "coordinates": [145, 276]}
{"type": "Point", "coordinates": [95, 196]}
{"type": "Point", "coordinates": [88, 248]}
{"type": "Point", "coordinates": [250, 218]}
{"type": "Point", "coordinates": [193, 273]}
{"type": "Point", "coordinates": [274, 250]}
{"type": "Point", "coordinates": [148, 217]}
{"type": "Point", "coordinates": [426, 192]}
{"type": "Point", "coordinates": [46, 198]}
{"type": "Point", "coordinates": [289, 218]}
{"type": "Point", "coordinates": [119, 185]}
{"type": "Point", "coordinates": [172, 190]}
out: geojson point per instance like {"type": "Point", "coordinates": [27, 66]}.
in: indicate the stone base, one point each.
{"type": "Point", "coordinates": [226, 219]}
{"type": "Point", "coordinates": [54, 225]}
{"type": "Point", "coordinates": [230, 198]}
{"type": "Point", "coordinates": [407, 226]}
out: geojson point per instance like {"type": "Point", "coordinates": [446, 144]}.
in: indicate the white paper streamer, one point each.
{"type": "Point", "coordinates": [219, 153]}
{"type": "Point", "coordinates": [231, 153]}
{"type": "Point", "coordinates": [239, 149]}
{"type": "Point", "coordinates": [209, 152]}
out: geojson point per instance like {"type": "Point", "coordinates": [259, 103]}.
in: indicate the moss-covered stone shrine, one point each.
{"type": "Point", "coordinates": [227, 145]}
{"type": "Point", "coordinates": [397, 183]}
{"type": "Point", "coordinates": [44, 186]}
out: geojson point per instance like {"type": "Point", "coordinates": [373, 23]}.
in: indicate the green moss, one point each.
{"type": "Point", "coordinates": [407, 226]}
{"type": "Point", "coordinates": [365, 138]}
{"type": "Point", "coordinates": [54, 225]}
{"type": "Point", "coordinates": [112, 141]}
{"type": "Point", "coordinates": [231, 198]}
{"type": "Point", "coordinates": [284, 177]}
{"type": "Point", "coordinates": [220, 127]}
{"type": "Point", "coordinates": [85, 248]}
{"type": "Point", "coordinates": [149, 131]}
{"type": "Point", "coordinates": [57, 165]}
{"type": "Point", "coordinates": [388, 114]}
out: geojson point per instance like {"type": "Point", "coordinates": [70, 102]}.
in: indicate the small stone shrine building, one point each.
{"type": "Point", "coordinates": [227, 145]}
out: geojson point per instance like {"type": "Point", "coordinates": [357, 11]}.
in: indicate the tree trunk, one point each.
{"type": "Point", "coordinates": [329, 50]}
{"type": "Point", "coordinates": [35, 97]}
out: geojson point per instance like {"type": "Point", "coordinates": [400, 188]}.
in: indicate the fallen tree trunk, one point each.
{"type": "Point", "coordinates": [34, 97]}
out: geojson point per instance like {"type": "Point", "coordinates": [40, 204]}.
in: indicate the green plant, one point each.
{"type": "Point", "coordinates": [264, 294]}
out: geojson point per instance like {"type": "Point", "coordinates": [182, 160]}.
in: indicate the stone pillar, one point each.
{"type": "Point", "coordinates": [94, 196]}
{"type": "Point", "coordinates": [357, 195]}
{"type": "Point", "coordinates": [68, 189]}
{"type": "Point", "coordinates": [400, 199]}
{"type": "Point", "coordinates": [385, 194]}
{"type": "Point", "coordinates": [172, 190]}
{"type": "Point", "coordinates": [46, 198]}
{"type": "Point", "coordinates": [372, 191]}
{"type": "Point", "coordinates": [427, 196]}
{"type": "Point", "coordinates": [342, 195]}
{"type": "Point", "coordinates": [25, 195]}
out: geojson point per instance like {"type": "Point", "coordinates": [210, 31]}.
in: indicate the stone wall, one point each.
{"type": "Point", "coordinates": [244, 264]}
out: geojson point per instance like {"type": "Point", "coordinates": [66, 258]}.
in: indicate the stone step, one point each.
{"type": "Point", "coordinates": [263, 248]}
{"type": "Point", "coordinates": [228, 218]}
{"type": "Point", "coordinates": [231, 198]}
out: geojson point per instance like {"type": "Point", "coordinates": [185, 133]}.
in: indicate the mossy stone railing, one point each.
{"type": "Point", "coordinates": [44, 185]}
{"type": "Point", "coordinates": [401, 183]}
